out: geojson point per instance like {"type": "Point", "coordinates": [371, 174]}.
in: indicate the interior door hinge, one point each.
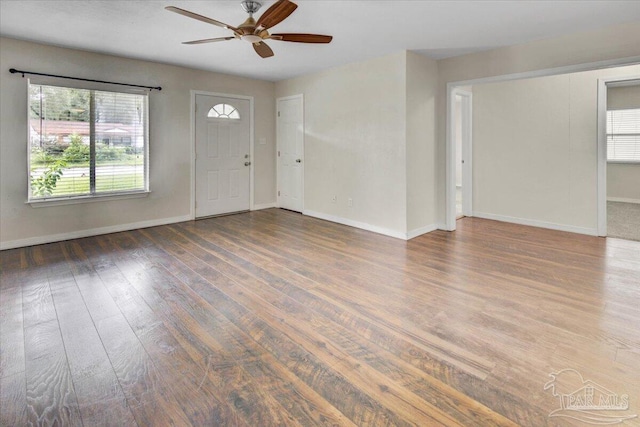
{"type": "Point", "coordinates": [278, 153]}
{"type": "Point", "coordinates": [278, 113]}
{"type": "Point", "coordinates": [278, 192]}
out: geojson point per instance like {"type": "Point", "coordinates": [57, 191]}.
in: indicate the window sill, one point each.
{"type": "Point", "coordinates": [623, 162]}
{"type": "Point", "coordinates": [43, 203]}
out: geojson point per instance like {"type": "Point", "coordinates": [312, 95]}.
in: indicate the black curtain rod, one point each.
{"type": "Point", "coordinates": [14, 71]}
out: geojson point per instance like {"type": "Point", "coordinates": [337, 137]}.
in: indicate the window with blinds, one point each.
{"type": "Point", "coordinates": [623, 135]}
{"type": "Point", "coordinates": [85, 143]}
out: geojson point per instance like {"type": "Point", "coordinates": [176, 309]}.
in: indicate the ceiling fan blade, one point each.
{"type": "Point", "coordinates": [217, 39]}
{"type": "Point", "coordinates": [277, 13]}
{"type": "Point", "coordinates": [199, 17]}
{"type": "Point", "coordinates": [262, 49]}
{"type": "Point", "coordinates": [301, 38]}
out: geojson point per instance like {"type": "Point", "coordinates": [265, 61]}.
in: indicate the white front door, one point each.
{"type": "Point", "coordinates": [223, 166]}
{"type": "Point", "coordinates": [290, 135]}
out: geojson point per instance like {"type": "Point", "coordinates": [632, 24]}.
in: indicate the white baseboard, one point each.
{"type": "Point", "coordinates": [373, 228]}
{"type": "Point", "coordinates": [536, 223]}
{"type": "Point", "coordinates": [622, 199]}
{"type": "Point", "coordinates": [356, 224]}
{"type": "Point", "coordinates": [264, 206]}
{"type": "Point", "coordinates": [40, 240]}
{"type": "Point", "coordinates": [422, 230]}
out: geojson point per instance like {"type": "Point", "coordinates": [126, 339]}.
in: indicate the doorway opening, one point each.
{"type": "Point", "coordinates": [619, 158]}
{"type": "Point", "coordinates": [462, 135]}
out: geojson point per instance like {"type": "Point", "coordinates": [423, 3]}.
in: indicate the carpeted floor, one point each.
{"type": "Point", "coordinates": [623, 220]}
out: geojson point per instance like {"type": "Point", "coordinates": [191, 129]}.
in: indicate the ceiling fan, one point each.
{"type": "Point", "coordinates": [255, 32]}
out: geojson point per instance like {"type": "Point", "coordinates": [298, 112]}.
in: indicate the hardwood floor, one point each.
{"type": "Point", "coordinates": [272, 318]}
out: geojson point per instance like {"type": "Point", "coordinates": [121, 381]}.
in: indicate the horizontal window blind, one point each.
{"type": "Point", "coordinates": [86, 142]}
{"type": "Point", "coordinates": [623, 135]}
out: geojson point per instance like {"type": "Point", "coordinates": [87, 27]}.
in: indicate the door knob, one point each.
{"type": "Point", "coordinates": [247, 163]}
{"type": "Point", "coordinates": [298, 161]}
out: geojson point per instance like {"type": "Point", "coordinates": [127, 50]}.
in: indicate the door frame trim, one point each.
{"type": "Point", "coordinates": [466, 113]}
{"type": "Point", "coordinates": [192, 125]}
{"type": "Point", "coordinates": [603, 84]}
{"type": "Point", "coordinates": [467, 147]}
{"type": "Point", "coordinates": [278, 173]}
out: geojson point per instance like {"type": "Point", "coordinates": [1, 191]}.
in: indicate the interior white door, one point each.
{"type": "Point", "coordinates": [223, 165]}
{"type": "Point", "coordinates": [290, 136]}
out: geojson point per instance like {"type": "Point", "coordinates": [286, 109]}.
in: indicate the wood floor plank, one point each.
{"type": "Point", "coordinates": [13, 396]}
{"type": "Point", "coordinates": [455, 355]}
{"type": "Point", "coordinates": [336, 357]}
{"type": "Point", "coordinates": [11, 332]}
{"type": "Point", "coordinates": [97, 387]}
{"type": "Point", "coordinates": [350, 341]}
{"type": "Point", "coordinates": [290, 391]}
{"type": "Point", "coordinates": [257, 408]}
{"type": "Point", "coordinates": [274, 318]}
{"type": "Point", "coordinates": [50, 394]}
{"type": "Point", "coordinates": [222, 310]}
{"type": "Point", "coordinates": [132, 387]}
{"type": "Point", "coordinates": [461, 358]}
{"type": "Point", "coordinates": [234, 397]}
{"type": "Point", "coordinates": [536, 295]}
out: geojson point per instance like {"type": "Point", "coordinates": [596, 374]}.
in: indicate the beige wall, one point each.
{"type": "Point", "coordinates": [170, 139]}
{"type": "Point", "coordinates": [370, 136]}
{"type": "Point", "coordinates": [363, 140]}
{"type": "Point", "coordinates": [521, 137]}
{"type": "Point", "coordinates": [535, 148]}
{"type": "Point", "coordinates": [355, 133]}
{"type": "Point", "coordinates": [606, 44]}
{"type": "Point", "coordinates": [421, 89]}
{"type": "Point", "coordinates": [623, 180]}
{"type": "Point", "coordinates": [623, 97]}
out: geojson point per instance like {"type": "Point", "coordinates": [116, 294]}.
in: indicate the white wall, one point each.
{"type": "Point", "coordinates": [421, 89]}
{"type": "Point", "coordinates": [623, 180]}
{"type": "Point", "coordinates": [602, 45]}
{"type": "Point", "coordinates": [355, 133]}
{"type": "Point", "coordinates": [170, 139]}
{"type": "Point", "coordinates": [535, 149]}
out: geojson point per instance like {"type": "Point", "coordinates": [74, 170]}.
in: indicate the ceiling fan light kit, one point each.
{"type": "Point", "coordinates": [256, 32]}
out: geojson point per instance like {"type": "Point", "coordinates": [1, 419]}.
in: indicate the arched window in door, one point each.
{"type": "Point", "coordinates": [224, 111]}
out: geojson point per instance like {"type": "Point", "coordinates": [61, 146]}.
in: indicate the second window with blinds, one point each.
{"type": "Point", "coordinates": [623, 136]}
{"type": "Point", "coordinates": [86, 143]}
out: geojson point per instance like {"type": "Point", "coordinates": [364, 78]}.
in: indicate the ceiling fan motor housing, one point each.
{"type": "Point", "coordinates": [251, 6]}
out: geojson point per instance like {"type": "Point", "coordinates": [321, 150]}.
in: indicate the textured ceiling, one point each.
{"type": "Point", "coordinates": [361, 29]}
